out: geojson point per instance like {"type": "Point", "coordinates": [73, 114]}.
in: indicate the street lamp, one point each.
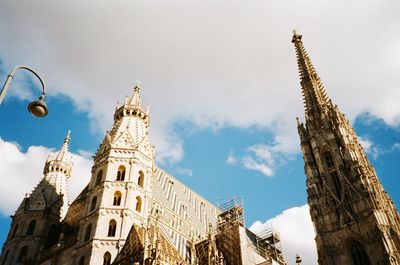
{"type": "Point", "coordinates": [38, 107]}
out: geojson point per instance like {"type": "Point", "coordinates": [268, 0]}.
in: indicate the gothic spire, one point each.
{"type": "Point", "coordinates": [314, 95]}
{"type": "Point", "coordinates": [135, 99]}
{"type": "Point", "coordinates": [64, 147]}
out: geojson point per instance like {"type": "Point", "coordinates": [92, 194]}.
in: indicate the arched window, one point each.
{"type": "Point", "coordinates": [107, 258]}
{"type": "Point", "coordinates": [358, 254]}
{"type": "Point", "coordinates": [93, 204]}
{"type": "Point", "coordinates": [121, 173]}
{"type": "Point", "coordinates": [88, 233]}
{"type": "Point", "coordinates": [138, 204]}
{"type": "Point", "coordinates": [5, 258]}
{"type": "Point", "coordinates": [112, 227]}
{"type": "Point", "coordinates": [23, 254]}
{"type": "Point", "coordinates": [140, 181]}
{"type": "Point", "coordinates": [99, 177]}
{"type": "Point", "coordinates": [81, 261]}
{"type": "Point", "coordinates": [117, 198]}
{"type": "Point", "coordinates": [31, 228]}
{"type": "Point", "coordinates": [14, 232]}
{"type": "Point", "coordinates": [329, 160]}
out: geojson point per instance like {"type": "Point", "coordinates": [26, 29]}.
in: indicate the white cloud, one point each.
{"type": "Point", "coordinates": [365, 143]}
{"type": "Point", "coordinates": [395, 147]}
{"type": "Point", "coordinates": [249, 163]}
{"type": "Point", "coordinates": [262, 158]}
{"type": "Point", "coordinates": [231, 159]}
{"type": "Point", "coordinates": [21, 172]}
{"type": "Point", "coordinates": [296, 232]}
{"type": "Point", "coordinates": [185, 172]}
{"type": "Point", "coordinates": [214, 63]}
{"type": "Point", "coordinates": [370, 147]}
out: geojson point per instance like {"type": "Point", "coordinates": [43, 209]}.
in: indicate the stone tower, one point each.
{"type": "Point", "coordinates": [118, 194]}
{"type": "Point", "coordinates": [36, 223]}
{"type": "Point", "coordinates": [355, 220]}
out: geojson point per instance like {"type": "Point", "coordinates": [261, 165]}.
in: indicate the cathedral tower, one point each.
{"type": "Point", "coordinates": [35, 225]}
{"type": "Point", "coordinates": [355, 220]}
{"type": "Point", "coordinates": [118, 194]}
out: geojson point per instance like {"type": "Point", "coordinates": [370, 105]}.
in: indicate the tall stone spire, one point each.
{"type": "Point", "coordinates": [64, 148]}
{"type": "Point", "coordinates": [315, 99]}
{"type": "Point", "coordinates": [355, 220]}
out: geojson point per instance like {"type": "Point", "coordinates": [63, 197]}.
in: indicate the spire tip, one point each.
{"type": "Point", "coordinates": [296, 36]}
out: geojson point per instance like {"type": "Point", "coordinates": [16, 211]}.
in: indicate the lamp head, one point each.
{"type": "Point", "coordinates": [38, 107]}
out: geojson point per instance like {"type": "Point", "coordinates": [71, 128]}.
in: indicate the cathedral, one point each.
{"type": "Point", "coordinates": [133, 212]}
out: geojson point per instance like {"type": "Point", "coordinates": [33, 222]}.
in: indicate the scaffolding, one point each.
{"type": "Point", "coordinates": [231, 213]}
{"type": "Point", "coordinates": [268, 242]}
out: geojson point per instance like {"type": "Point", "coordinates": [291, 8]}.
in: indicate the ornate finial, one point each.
{"type": "Point", "coordinates": [135, 98]}
{"type": "Point", "coordinates": [137, 86]}
{"type": "Point", "coordinates": [67, 137]}
{"type": "Point", "coordinates": [295, 36]}
{"type": "Point", "coordinates": [298, 259]}
{"type": "Point", "coordinates": [298, 121]}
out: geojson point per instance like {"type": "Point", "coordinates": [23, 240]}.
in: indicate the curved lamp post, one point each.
{"type": "Point", "coordinates": [38, 107]}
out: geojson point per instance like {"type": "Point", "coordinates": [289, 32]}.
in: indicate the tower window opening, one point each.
{"type": "Point", "coordinates": [358, 254]}
{"type": "Point", "coordinates": [81, 261]}
{"type": "Point", "coordinates": [117, 198]}
{"type": "Point", "coordinates": [23, 254]}
{"type": "Point", "coordinates": [138, 204]}
{"type": "Point", "coordinates": [99, 177]}
{"type": "Point", "coordinates": [112, 227]}
{"type": "Point", "coordinates": [329, 160]}
{"type": "Point", "coordinates": [107, 258]}
{"type": "Point", "coordinates": [121, 173]}
{"type": "Point", "coordinates": [93, 204]}
{"type": "Point", "coordinates": [141, 179]}
{"type": "Point", "coordinates": [31, 228]}
{"type": "Point", "coordinates": [88, 233]}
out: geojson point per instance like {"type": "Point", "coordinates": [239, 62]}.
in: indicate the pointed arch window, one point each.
{"type": "Point", "coordinates": [23, 254]}
{"type": "Point", "coordinates": [112, 227]}
{"type": "Point", "coordinates": [88, 233]}
{"type": "Point", "coordinates": [93, 204]}
{"type": "Point", "coordinates": [329, 160]}
{"type": "Point", "coordinates": [138, 204]}
{"type": "Point", "coordinates": [117, 198]}
{"type": "Point", "coordinates": [141, 179]}
{"type": "Point", "coordinates": [107, 258]}
{"type": "Point", "coordinates": [358, 254]}
{"type": "Point", "coordinates": [99, 177]}
{"type": "Point", "coordinates": [31, 228]}
{"type": "Point", "coordinates": [121, 173]}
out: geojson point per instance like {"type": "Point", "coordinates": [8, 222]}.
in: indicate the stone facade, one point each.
{"type": "Point", "coordinates": [355, 220]}
{"type": "Point", "coordinates": [130, 211]}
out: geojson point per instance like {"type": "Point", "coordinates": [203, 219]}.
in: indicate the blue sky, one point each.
{"type": "Point", "coordinates": [224, 93]}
